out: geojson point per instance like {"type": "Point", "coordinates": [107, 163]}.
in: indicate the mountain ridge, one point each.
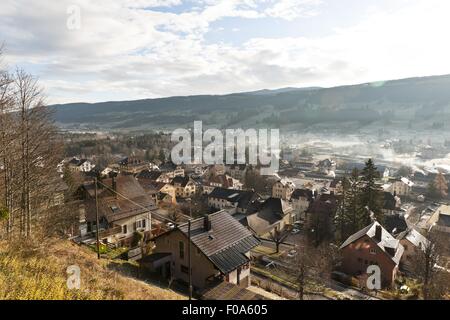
{"type": "Point", "coordinates": [410, 99]}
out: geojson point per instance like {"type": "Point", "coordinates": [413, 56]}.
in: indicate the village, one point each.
{"type": "Point", "coordinates": [225, 232]}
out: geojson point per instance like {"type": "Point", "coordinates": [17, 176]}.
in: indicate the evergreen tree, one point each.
{"type": "Point", "coordinates": [341, 212]}
{"type": "Point", "coordinates": [371, 194]}
{"type": "Point", "coordinates": [162, 156]}
{"type": "Point", "coordinates": [353, 213]}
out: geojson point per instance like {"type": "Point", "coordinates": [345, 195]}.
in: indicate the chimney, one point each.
{"type": "Point", "coordinates": [114, 185]}
{"type": "Point", "coordinates": [206, 223]}
{"type": "Point", "coordinates": [378, 232]}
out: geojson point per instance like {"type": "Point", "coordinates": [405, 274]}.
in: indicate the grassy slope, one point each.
{"type": "Point", "coordinates": [40, 273]}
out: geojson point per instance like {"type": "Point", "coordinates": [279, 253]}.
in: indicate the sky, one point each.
{"type": "Point", "coordinates": [104, 50]}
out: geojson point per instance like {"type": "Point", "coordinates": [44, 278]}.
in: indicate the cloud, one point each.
{"type": "Point", "coordinates": [293, 9]}
{"type": "Point", "coordinates": [129, 50]}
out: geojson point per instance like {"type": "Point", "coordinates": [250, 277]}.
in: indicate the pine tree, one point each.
{"type": "Point", "coordinates": [371, 194]}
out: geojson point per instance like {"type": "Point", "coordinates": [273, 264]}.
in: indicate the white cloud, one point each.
{"type": "Point", "coordinates": [125, 50]}
{"type": "Point", "coordinates": [293, 9]}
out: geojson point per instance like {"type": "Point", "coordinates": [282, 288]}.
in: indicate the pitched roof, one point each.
{"type": "Point", "coordinates": [225, 244]}
{"type": "Point", "coordinates": [241, 197]}
{"type": "Point", "coordinates": [150, 175]}
{"type": "Point", "coordinates": [225, 180]}
{"type": "Point", "coordinates": [77, 162]}
{"type": "Point", "coordinates": [114, 208]}
{"type": "Point", "coordinates": [269, 214]}
{"type": "Point", "coordinates": [395, 223]}
{"type": "Point", "coordinates": [304, 193]}
{"type": "Point", "coordinates": [325, 203]}
{"type": "Point", "coordinates": [182, 181]}
{"type": "Point", "coordinates": [388, 244]}
{"type": "Point", "coordinates": [415, 237]}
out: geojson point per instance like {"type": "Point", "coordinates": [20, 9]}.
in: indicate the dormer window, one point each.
{"type": "Point", "coordinates": [114, 208]}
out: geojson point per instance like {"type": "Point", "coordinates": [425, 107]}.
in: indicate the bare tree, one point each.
{"type": "Point", "coordinates": [310, 264]}
{"type": "Point", "coordinates": [29, 153]}
{"type": "Point", "coordinates": [426, 265]}
{"type": "Point", "coordinates": [278, 236]}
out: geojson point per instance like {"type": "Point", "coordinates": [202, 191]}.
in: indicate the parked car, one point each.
{"type": "Point", "coordinates": [295, 231]}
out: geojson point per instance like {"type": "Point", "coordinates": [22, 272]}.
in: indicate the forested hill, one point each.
{"type": "Point", "coordinates": [420, 102]}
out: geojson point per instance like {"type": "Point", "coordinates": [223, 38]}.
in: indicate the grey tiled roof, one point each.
{"type": "Point", "coordinates": [387, 243]}
{"type": "Point", "coordinates": [225, 244]}
{"type": "Point", "coordinates": [242, 198]}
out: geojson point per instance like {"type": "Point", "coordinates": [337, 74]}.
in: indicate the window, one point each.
{"type": "Point", "coordinates": [140, 224]}
{"type": "Point", "coordinates": [181, 243]}
{"type": "Point", "coordinates": [124, 229]}
{"type": "Point", "coordinates": [372, 251]}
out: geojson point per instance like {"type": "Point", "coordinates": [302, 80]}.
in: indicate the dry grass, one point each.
{"type": "Point", "coordinates": [39, 273]}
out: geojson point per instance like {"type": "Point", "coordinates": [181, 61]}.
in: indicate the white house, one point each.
{"type": "Point", "coordinates": [401, 187]}
{"type": "Point", "coordinates": [283, 189]}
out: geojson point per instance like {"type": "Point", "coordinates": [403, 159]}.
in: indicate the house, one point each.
{"type": "Point", "coordinates": [395, 224]}
{"type": "Point", "coordinates": [237, 171]}
{"type": "Point", "coordinates": [160, 192]}
{"type": "Point", "coordinates": [413, 242]}
{"type": "Point", "coordinates": [99, 171]}
{"type": "Point", "coordinates": [133, 165]}
{"type": "Point", "coordinates": [301, 199]}
{"type": "Point", "coordinates": [372, 245]}
{"type": "Point", "coordinates": [440, 219]}
{"type": "Point", "coordinates": [185, 187]}
{"type": "Point", "coordinates": [172, 170]}
{"type": "Point", "coordinates": [216, 169]}
{"type": "Point", "coordinates": [401, 187]}
{"type": "Point", "coordinates": [221, 181]}
{"type": "Point", "coordinates": [120, 216]}
{"type": "Point", "coordinates": [220, 251]}
{"type": "Point", "coordinates": [326, 166]}
{"type": "Point", "coordinates": [238, 200]}
{"type": "Point", "coordinates": [154, 176]}
{"type": "Point", "coordinates": [80, 165]}
{"type": "Point", "coordinates": [336, 187]}
{"type": "Point", "coordinates": [196, 169]}
{"type": "Point", "coordinates": [283, 189]}
{"type": "Point", "coordinates": [391, 204]}
{"type": "Point", "coordinates": [273, 214]}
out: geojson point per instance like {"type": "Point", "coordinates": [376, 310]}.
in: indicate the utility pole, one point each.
{"type": "Point", "coordinates": [96, 217]}
{"type": "Point", "coordinates": [189, 259]}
